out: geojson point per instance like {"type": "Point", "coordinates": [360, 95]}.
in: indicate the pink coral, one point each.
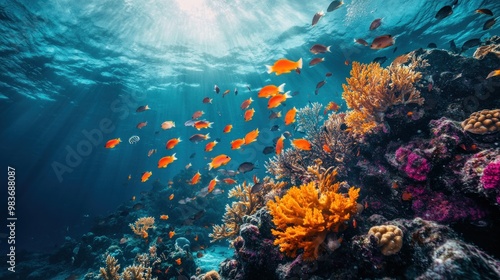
{"type": "Point", "coordinates": [414, 165]}
{"type": "Point", "coordinates": [491, 176]}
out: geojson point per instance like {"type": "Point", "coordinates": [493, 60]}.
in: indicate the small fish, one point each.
{"type": "Point", "coordinates": [210, 146]}
{"type": "Point", "coordinates": [123, 240]}
{"type": "Point", "coordinates": [290, 116]}
{"type": "Point", "coordinates": [237, 143]}
{"type": "Point", "coordinates": [287, 134]}
{"type": "Point", "coordinates": [453, 46]}
{"type": "Point", "coordinates": [276, 100]}
{"type": "Point", "coordinates": [346, 62]}
{"type": "Point", "coordinates": [207, 100]}
{"type": "Point", "coordinates": [196, 238]}
{"type": "Point", "coordinates": [244, 105]}
{"type": "Point", "coordinates": [380, 59]}
{"type": "Point", "coordinates": [275, 127]}
{"type": "Point", "coordinates": [316, 61]}
{"type": "Point", "coordinates": [211, 184]}
{"type": "Point", "coordinates": [248, 87]}
{"type": "Point", "coordinates": [470, 44]}
{"type": "Point", "coordinates": [248, 115]}
{"type": "Point", "coordinates": [196, 138]}
{"type": "Point", "coordinates": [395, 49]}
{"type": "Point", "coordinates": [283, 66]}
{"type": "Point", "coordinates": [318, 48]}
{"type": "Point", "coordinates": [199, 255]}
{"type": "Point", "coordinates": [317, 17]}
{"type": "Point", "coordinates": [267, 150]}
{"type": "Point", "coordinates": [484, 12]}
{"type": "Point", "coordinates": [382, 42]}
{"type": "Point", "coordinates": [274, 115]}
{"type": "Point", "coordinates": [197, 114]}
{"type": "Point", "coordinates": [171, 197]}
{"type": "Point", "coordinates": [192, 155]}
{"type": "Point", "coordinates": [251, 136]}
{"type": "Point", "coordinates": [331, 106]}
{"type": "Point", "coordinates": [235, 91]}
{"type": "Point", "coordinates": [172, 143]}
{"type": "Point", "coordinates": [280, 144]}
{"type": "Point", "coordinates": [216, 89]}
{"type": "Point", "coordinates": [170, 235]}
{"type": "Point", "coordinates": [334, 5]}
{"type": "Point", "coordinates": [444, 12]}
{"type": "Point", "coordinates": [489, 23]}
{"type": "Point", "coordinates": [375, 24]}
{"type": "Point", "coordinates": [145, 176]}
{"type": "Point", "coordinates": [165, 161]}
{"type": "Point", "coordinates": [141, 124]}
{"type": "Point", "coordinates": [189, 123]}
{"type": "Point", "coordinates": [225, 93]}
{"type": "Point", "coordinates": [202, 124]}
{"type": "Point", "coordinates": [406, 196]}
{"type": "Point", "coordinates": [112, 143]}
{"type": "Point", "coordinates": [246, 167]}
{"type": "Point", "coordinates": [151, 152]}
{"type": "Point", "coordinates": [326, 148]}
{"type": "Point", "coordinates": [188, 166]}
{"type": "Point", "coordinates": [432, 46]}
{"type": "Point", "coordinates": [295, 93]}
{"type": "Point", "coordinates": [129, 176]}
{"type": "Point", "coordinates": [493, 73]}
{"type": "Point", "coordinates": [361, 42]}
{"type": "Point", "coordinates": [328, 74]}
{"type": "Point", "coordinates": [218, 161]}
{"type": "Point", "coordinates": [142, 108]}
{"type": "Point", "coordinates": [227, 128]}
{"type": "Point", "coordinates": [167, 125]}
{"type": "Point", "coordinates": [320, 84]}
{"type": "Point", "coordinates": [229, 181]}
{"type": "Point", "coordinates": [271, 90]}
{"type": "Point", "coordinates": [163, 217]}
{"type": "Point", "coordinates": [301, 144]}
{"type": "Point", "coordinates": [195, 179]}
{"type": "Point", "coordinates": [257, 187]}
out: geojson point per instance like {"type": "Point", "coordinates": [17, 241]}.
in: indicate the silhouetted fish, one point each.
{"type": "Point", "coordinates": [489, 23]}
{"type": "Point", "coordinates": [246, 167]}
{"type": "Point", "coordinates": [380, 59]}
{"type": "Point", "coordinates": [444, 12]}
{"type": "Point", "coordinates": [453, 46]}
{"type": "Point", "coordinates": [257, 187]}
{"type": "Point", "coordinates": [192, 155]}
{"type": "Point", "coordinates": [334, 5]}
{"type": "Point", "coordinates": [267, 150]}
{"type": "Point", "coordinates": [470, 44]}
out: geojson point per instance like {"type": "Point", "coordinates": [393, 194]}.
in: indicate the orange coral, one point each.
{"type": "Point", "coordinates": [305, 215]}
{"type": "Point", "coordinates": [141, 226]}
{"type": "Point", "coordinates": [371, 90]}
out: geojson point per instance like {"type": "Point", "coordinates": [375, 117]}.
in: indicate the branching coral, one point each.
{"type": "Point", "coordinates": [371, 90]}
{"type": "Point", "coordinates": [141, 226]}
{"type": "Point", "coordinates": [133, 272]}
{"type": "Point", "coordinates": [248, 203]}
{"type": "Point", "coordinates": [304, 216]}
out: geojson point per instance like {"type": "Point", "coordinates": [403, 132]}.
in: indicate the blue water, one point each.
{"type": "Point", "coordinates": [66, 66]}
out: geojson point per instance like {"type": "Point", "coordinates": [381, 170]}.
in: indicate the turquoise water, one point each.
{"type": "Point", "coordinates": [72, 69]}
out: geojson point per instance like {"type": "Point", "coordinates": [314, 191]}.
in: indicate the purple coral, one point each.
{"type": "Point", "coordinates": [414, 165]}
{"type": "Point", "coordinates": [491, 176]}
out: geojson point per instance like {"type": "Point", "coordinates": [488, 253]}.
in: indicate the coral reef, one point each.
{"type": "Point", "coordinates": [135, 272]}
{"type": "Point", "coordinates": [482, 122]}
{"type": "Point", "coordinates": [141, 226]}
{"type": "Point", "coordinates": [389, 238]}
{"type": "Point", "coordinates": [371, 90]}
{"type": "Point", "coordinates": [305, 215]}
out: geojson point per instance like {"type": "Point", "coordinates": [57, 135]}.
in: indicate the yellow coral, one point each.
{"type": "Point", "coordinates": [371, 90]}
{"type": "Point", "coordinates": [141, 226]}
{"type": "Point", "coordinates": [304, 216]}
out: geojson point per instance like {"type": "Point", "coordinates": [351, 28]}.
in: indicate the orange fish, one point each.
{"type": "Point", "coordinates": [112, 143]}
{"type": "Point", "coordinates": [354, 223]}
{"type": "Point", "coordinates": [195, 179]}
{"type": "Point", "coordinates": [202, 124]}
{"type": "Point", "coordinates": [276, 100]}
{"type": "Point", "coordinates": [172, 143]}
{"type": "Point", "coordinates": [236, 144]}
{"type": "Point", "coordinates": [146, 175]}
{"type": "Point", "coordinates": [280, 144]}
{"type": "Point", "coordinates": [164, 161]}
{"type": "Point", "coordinates": [246, 103]}
{"type": "Point", "coordinates": [251, 136]}
{"type": "Point", "coordinates": [332, 106]}
{"type": "Point", "coordinates": [210, 146]}
{"type": "Point", "coordinates": [283, 66]}
{"type": "Point", "coordinates": [141, 125]}
{"type": "Point", "coordinates": [301, 144]}
{"type": "Point", "coordinates": [406, 196]}
{"type": "Point", "coordinates": [196, 238]}
{"type": "Point", "coordinates": [493, 73]}
{"type": "Point", "coordinates": [178, 261]}
{"type": "Point", "coordinates": [395, 185]}
{"type": "Point", "coordinates": [382, 42]}
{"type": "Point", "coordinates": [171, 234]}
{"type": "Point", "coordinates": [290, 116]}
{"type": "Point", "coordinates": [171, 197]}
{"type": "Point", "coordinates": [164, 217]}
{"type": "Point", "coordinates": [271, 90]}
{"type": "Point", "coordinates": [197, 114]}
{"type": "Point", "coordinates": [326, 148]}
{"type": "Point", "coordinates": [218, 161]}
{"type": "Point", "coordinates": [249, 114]}
{"type": "Point", "coordinates": [207, 100]}
{"type": "Point", "coordinates": [227, 128]}
{"type": "Point", "coordinates": [167, 125]}
{"type": "Point", "coordinates": [212, 184]}
{"type": "Point", "coordinates": [229, 181]}
{"type": "Point", "coordinates": [346, 62]}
